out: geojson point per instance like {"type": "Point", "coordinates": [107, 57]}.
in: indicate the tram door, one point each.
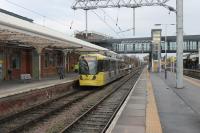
{"type": "Point", "coordinates": [1, 66]}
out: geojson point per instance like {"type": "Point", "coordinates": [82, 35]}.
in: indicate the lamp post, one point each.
{"type": "Point", "coordinates": [166, 27]}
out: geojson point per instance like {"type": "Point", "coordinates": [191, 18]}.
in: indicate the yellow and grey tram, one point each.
{"type": "Point", "coordinates": [98, 70]}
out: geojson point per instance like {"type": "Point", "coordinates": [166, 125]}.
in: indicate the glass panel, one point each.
{"type": "Point", "coordinates": [15, 61]}
{"type": "Point", "coordinates": [88, 65]}
{"type": "Point", "coordinates": [129, 47]}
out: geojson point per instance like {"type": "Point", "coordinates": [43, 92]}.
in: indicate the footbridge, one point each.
{"type": "Point", "coordinates": [144, 44]}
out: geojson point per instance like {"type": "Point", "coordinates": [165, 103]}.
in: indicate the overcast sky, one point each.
{"type": "Point", "coordinates": [57, 14]}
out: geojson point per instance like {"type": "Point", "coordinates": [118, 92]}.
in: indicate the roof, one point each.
{"type": "Point", "coordinates": [16, 15]}
{"type": "Point", "coordinates": [13, 29]}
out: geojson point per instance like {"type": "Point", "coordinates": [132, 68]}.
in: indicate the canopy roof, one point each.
{"type": "Point", "coordinates": [20, 32]}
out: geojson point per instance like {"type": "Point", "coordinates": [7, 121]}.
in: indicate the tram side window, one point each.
{"type": "Point", "coordinates": [106, 65]}
{"type": "Point", "coordinates": [113, 65]}
{"type": "Point", "coordinates": [103, 65]}
{"type": "Point", "coordinates": [110, 65]}
{"type": "Point", "coordinates": [100, 66]}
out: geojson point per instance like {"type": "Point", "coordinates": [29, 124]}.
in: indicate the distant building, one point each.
{"type": "Point", "coordinates": [91, 35]}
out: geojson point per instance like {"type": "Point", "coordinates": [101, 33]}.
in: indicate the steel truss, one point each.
{"type": "Point", "coordinates": [95, 4]}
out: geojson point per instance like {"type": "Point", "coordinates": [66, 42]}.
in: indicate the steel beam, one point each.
{"type": "Point", "coordinates": [94, 4]}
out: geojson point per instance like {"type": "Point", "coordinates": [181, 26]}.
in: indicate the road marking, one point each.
{"type": "Point", "coordinates": [153, 124]}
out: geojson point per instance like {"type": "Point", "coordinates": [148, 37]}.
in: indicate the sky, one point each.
{"type": "Point", "coordinates": [58, 15]}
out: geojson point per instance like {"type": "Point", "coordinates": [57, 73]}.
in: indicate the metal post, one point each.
{"type": "Point", "coordinates": [65, 61]}
{"type": "Point", "coordinates": [199, 57]}
{"type": "Point", "coordinates": [173, 65]}
{"type": "Point", "coordinates": [179, 54]}
{"type": "Point", "coordinates": [133, 21]}
{"type": "Point", "coordinates": [166, 51]}
{"type": "Point", "coordinates": [39, 66]}
{"type": "Point", "coordinates": [86, 22]}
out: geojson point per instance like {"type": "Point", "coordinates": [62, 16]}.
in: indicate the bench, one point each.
{"type": "Point", "coordinates": [25, 77]}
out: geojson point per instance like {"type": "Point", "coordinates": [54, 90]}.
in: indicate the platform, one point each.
{"type": "Point", "coordinates": [8, 88]}
{"type": "Point", "coordinates": [179, 109]}
{"type": "Point", "coordinates": [156, 106]}
{"type": "Point", "coordinates": [132, 116]}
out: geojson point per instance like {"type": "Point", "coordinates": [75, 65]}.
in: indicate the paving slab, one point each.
{"type": "Point", "coordinates": [178, 108]}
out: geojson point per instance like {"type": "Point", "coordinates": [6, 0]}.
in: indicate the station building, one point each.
{"type": "Point", "coordinates": [28, 48]}
{"type": "Point", "coordinates": [15, 61]}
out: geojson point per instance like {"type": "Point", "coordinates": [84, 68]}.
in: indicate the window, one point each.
{"type": "Point", "coordinates": [88, 65]}
{"type": "Point", "coordinates": [46, 59]}
{"type": "Point", "coordinates": [198, 44]}
{"type": "Point", "coordinates": [55, 60]}
{"type": "Point", "coordinates": [129, 47]}
{"type": "Point", "coordinates": [163, 45]}
{"type": "Point", "coordinates": [101, 67]}
{"type": "Point", "coordinates": [193, 45]}
{"type": "Point", "coordinates": [121, 47]}
{"type": "Point", "coordinates": [137, 47]}
{"type": "Point", "coordinates": [51, 59]}
{"type": "Point", "coordinates": [155, 55]}
{"type": "Point", "coordinates": [148, 46]}
{"type": "Point", "coordinates": [185, 45]}
{"type": "Point", "coordinates": [172, 45]}
{"type": "Point", "coordinates": [15, 60]}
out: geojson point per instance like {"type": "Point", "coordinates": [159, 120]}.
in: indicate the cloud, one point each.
{"type": "Point", "coordinates": [59, 16]}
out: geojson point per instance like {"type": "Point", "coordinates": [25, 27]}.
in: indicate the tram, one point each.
{"type": "Point", "coordinates": [99, 70]}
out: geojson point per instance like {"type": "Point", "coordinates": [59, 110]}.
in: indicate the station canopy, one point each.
{"type": "Point", "coordinates": [15, 31]}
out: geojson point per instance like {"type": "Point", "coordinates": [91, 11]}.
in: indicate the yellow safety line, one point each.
{"type": "Point", "coordinates": [192, 82]}
{"type": "Point", "coordinates": [153, 124]}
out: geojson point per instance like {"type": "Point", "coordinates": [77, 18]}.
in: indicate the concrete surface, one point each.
{"type": "Point", "coordinates": [132, 116]}
{"type": "Point", "coordinates": [179, 109]}
{"type": "Point", "coordinates": [8, 88]}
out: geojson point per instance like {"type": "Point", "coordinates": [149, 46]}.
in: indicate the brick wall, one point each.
{"type": "Point", "coordinates": [16, 103]}
{"type": "Point", "coordinates": [25, 62]}
{"type": "Point", "coordinates": [73, 60]}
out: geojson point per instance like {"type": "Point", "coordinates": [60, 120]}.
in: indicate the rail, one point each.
{"type": "Point", "coordinates": [99, 116]}
{"type": "Point", "coordinates": [192, 73]}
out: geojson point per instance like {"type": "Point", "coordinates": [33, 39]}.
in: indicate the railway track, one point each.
{"type": "Point", "coordinates": [99, 116]}
{"type": "Point", "coordinates": [192, 73]}
{"type": "Point", "coordinates": [23, 121]}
